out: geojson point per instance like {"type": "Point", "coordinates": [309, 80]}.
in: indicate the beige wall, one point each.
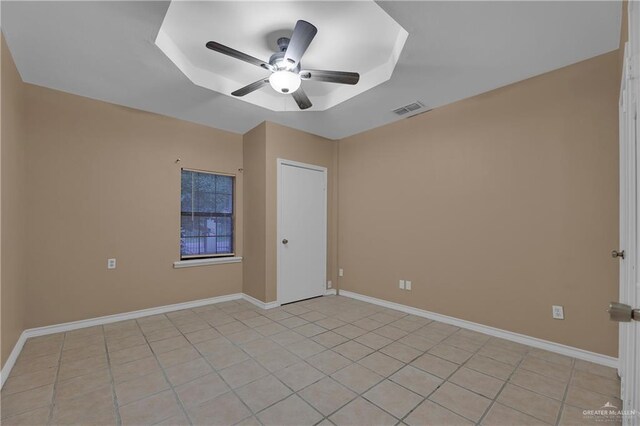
{"type": "Point", "coordinates": [103, 182]}
{"type": "Point", "coordinates": [253, 263]}
{"type": "Point", "coordinates": [262, 147]}
{"type": "Point", "coordinates": [13, 276]}
{"type": "Point", "coordinates": [496, 207]}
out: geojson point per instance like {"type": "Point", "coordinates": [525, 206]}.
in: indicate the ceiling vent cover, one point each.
{"type": "Point", "coordinates": [409, 108]}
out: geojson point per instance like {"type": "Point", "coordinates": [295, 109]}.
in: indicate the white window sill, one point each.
{"type": "Point", "coordinates": [204, 262]}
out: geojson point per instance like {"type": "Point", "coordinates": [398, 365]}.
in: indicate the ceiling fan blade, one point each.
{"type": "Point", "coordinates": [301, 99]}
{"type": "Point", "coordinates": [341, 77]}
{"type": "Point", "coordinates": [303, 34]}
{"type": "Point", "coordinates": [238, 55]}
{"type": "Point", "coordinates": [251, 87]}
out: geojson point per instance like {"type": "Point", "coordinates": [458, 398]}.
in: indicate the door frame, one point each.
{"type": "Point", "coordinates": [284, 162]}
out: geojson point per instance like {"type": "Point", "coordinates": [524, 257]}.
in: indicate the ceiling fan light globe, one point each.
{"type": "Point", "coordinates": [284, 81]}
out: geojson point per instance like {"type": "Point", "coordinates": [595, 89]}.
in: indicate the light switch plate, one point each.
{"type": "Point", "coordinates": [329, 284]}
{"type": "Point", "coordinates": [341, 272]}
{"type": "Point", "coordinates": [111, 264]}
{"type": "Point", "coordinates": [557, 312]}
{"type": "Point", "coordinates": [401, 284]}
{"type": "Point", "coordinates": [407, 285]}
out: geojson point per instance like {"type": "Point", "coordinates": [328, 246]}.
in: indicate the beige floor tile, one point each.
{"type": "Point", "coordinates": [169, 344]}
{"type": "Point", "coordinates": [70, 369]}
{"type": "Point", "coordinates": [373, 340]}
{"type": "Point", "coordinates": [502, 355]}
{"type": "Point", "coordinates": [162, 334]}
{"type": "Point", "coordinates": [305, 348]}
{"type": "Point", "coordinates": [406, 325]}
{"type": "Point", "coordinates": [551, 356]}
{"type": "Point", "coordinates": [178, 356]}
{"type": "Point", "coordinates": [270, 329]}
{"type": "Point", "coordinates": [329, 339]}
{"type": "Point", "coordinates": [461, 401]}
{"type": "Point", "coordinates": [83, 352]}
{"type": "Point", "coordinates": [312, 316]}
{"type": "Point", "coordinates": [500, 415]}
{"type": "Point", "coordinates": [262, 393]}
{"type": "Point", "coordinates": [328, 361]}
{"type": "Point", "coordinates": [538, 406]}
{"type": "Point", "coordinates": [287, 337]}
{"type": "Point", "coordinates": [600, 370]}
{"type": "Point", "coordinates": [179, 420]}
{"type": "Point", "coordinates": [350, 331]}
{"type": "Point", "coordinates": [209, 347]}
{"type": "Point", "coordinates": [134, 369]}
{"type": "Point", "coordinates": [188, 371]}
{"type": "Point", "coordinates": [293, 322]}
{"type": "Point", "coordinates": [28, 381]}
{"type": "Point", "coordinates": [126, 342]}
{"type": "Point", "coordinates": [327, 395]}
{"type": "Point", "coordinates": [140, 388]}
{"type": "Point", "coordinates": [130, 354]}
{"type": "Point", "coordinates": [194, 326]}
{"type": "Point", "coordinates": [473, 335]}
{"type": "Point", "coordinates": [201, 390]}
{"type": "Point", "coordinates": [509, 345]}
{"type": "Point", "coordinates": [381, 364]}
{"type": "Point", "coordinates": [39, 416]}
{"type": "Point", "coordinates": [299, 376]}
{"type": "Point", "coordinates": [309, 330]}
{"type": "Point", "coordinates": [401, 352]}
{"type": "Point", "coordinates": [82, 385]}
{"type": "Point", "coordinates": [416, 380]}
{"type": "Point", "coordinates": [202, 335]}
{"type": "Point", "coordinates": [362, 412]}
{"type": "Point", "coordinates": [596, 383]}
{"type": "Point", "coordinates": [589, 400]}
{"type": "Point", "coordinates": [463, 343]}
{"type": "Point", "coordinates": [367, 324]}
{"type": "Point", "coordinates": [225, 409]}
{"type": "Point", "coordinates": [382, 318]}
{"type": "Point", "coordinates": [95, 407]}
{"type": "Point", "coordinates": [546, 368]}
{"type": "Point", "coordinates": [490, 366]}
{"type": "Point", "coordinates": [390, 332]}
{"type": "Point", "coordinates": [22, 402]}
{"type": "Point", "coordinates": [353, 350]}
{"type": "Point", "coordinates": [435, 365]}
{"type": "Point", "coordinates": [431, 414]}
{"type": "Point", "coordinates": [293, 411]}
{"type": "Point", "coordinates": [277, 359]}
{"type": "Point", "coordinates": [477, 382]}
{"type": "Point", "coordinates": [36, 348]}
{"type": "Point", "coordinates": [393, 398]}
{"type": "Point", "coordinates": [450, 353]}
{"type": "Point", "coordinates": [418, 342]}
{"type": "Point", "coordinates": [244, 336]}
{"type": "Point", "coordinates": [78, 341]}
{"type": "Point", "coordinates": [226, 357]}
{"type": "Point", "coordinates": [30, 365]}
{"type": "Point", "coordinates": [539, 384]}
{"type": "Point", "coordinates": [259, 346]}
{"type": "Point", "coordinates": [258, 321]}
{"type": "Point", "coordinates": [150, 410]}
{"type": "Point", "coordinates": [357, 377]}
{"type": "Point", "coordinates": [243, 373]}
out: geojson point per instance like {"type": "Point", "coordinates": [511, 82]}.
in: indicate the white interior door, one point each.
{"type": "Point", "coordinates": [302, 231]}
{"type": "Point", "coordinates": [629, 333]}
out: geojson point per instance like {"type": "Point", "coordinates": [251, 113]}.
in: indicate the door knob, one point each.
{"type": "Point", "coordinates": [616, 253]}
{"type": "Point", "coordinates": [622, 313]}
{"type": "Point", "coordinates": [285, 241]}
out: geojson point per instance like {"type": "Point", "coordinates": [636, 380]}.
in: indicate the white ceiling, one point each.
{"type": "Point", "coordinates": [106, 50]}
{"type": "Point", "coordinates": [344, 42]}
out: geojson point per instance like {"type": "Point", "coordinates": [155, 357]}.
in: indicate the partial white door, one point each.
{"type": "Point", "coordinates": [629, 310]}
{"type": "Point", "coordinates": [302, 231]}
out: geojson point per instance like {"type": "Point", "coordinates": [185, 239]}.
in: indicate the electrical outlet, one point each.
{"type": "Point", "coordinates": [111, 264]}
{"type": "Point", "coordinates": [329, 284]}
{"type": "Point", "coordinates": [558, 312]}
{"type": "Point", "coordinates": [341, 272]}
{"type": "Point", "coordinates": [407, 285]}
{"type": "Point", "coordinates": [401, 284]}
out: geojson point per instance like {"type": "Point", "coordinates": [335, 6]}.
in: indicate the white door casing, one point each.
{"type": "Point", "coordinates": [302, 222]}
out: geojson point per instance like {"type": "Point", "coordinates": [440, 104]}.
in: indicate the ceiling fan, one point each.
{"type": "Point", "coordinates": [286, 72]}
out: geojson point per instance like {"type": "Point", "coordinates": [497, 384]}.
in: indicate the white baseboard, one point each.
{"type": "Point", "coordinates": [13, 357]}
{"type": "Point", "coordinates": [260, 303]}
{"type": "Point", "coordinates": [331, 292]}
{"type": "Point", "coordinates": [492, 331]}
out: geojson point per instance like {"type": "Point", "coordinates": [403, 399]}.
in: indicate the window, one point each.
{"type": "Point", "coordinates": [206, 215]}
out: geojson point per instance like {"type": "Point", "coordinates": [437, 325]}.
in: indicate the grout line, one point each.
{"type": "Point", "coordinates": [55, 382]}
{"type": "Point", "coordinates": [112, 381]}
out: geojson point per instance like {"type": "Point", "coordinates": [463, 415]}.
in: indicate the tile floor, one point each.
{"type": "Point", "coordinates": [330, 360]}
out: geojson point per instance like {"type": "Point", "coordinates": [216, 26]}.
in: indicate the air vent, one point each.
{"type": "Point", "coordinates": [409, 108]}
